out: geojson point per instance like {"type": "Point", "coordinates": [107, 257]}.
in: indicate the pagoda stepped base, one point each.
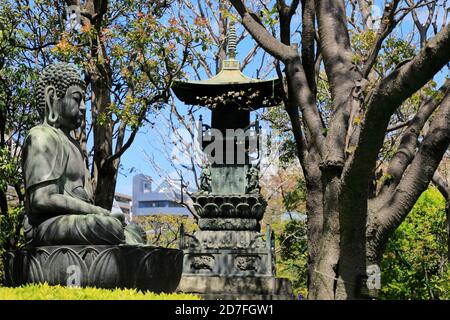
{"type": "Point", "coordinates": [237, 288]}
{"type": "Point", "coordinates": [102, 266]}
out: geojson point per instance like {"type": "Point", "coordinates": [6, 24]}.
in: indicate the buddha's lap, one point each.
{"type": "Point", "coordinates": [79, 229]}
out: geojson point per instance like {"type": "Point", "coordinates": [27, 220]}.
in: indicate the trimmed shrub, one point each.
{"type": "Point", "coordinates": [47, 292]}
{"type": "Point", "coordinates": [415, 262]}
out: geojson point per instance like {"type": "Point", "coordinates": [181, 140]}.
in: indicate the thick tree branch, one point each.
{"type": "Point", "coordinates": [442, 185]}
{"type": "Point", "coordinates": [416, 177]}
{"type": "Point", "coordinates": [297, 131]}
{"type": "Point", "coordinates": [388, 96]}
{"type": "Point", "coordinates": [300, 95]}
{"type": "Point", "coordinates": [445, 191]}
{"type": "Point", "coordinates": [285, 22]}
{"type": "Point", "coordinates": [269, 43]}
{"type": "Point", "coordinates": [293, 7]}
{"type": "Point", "coordinates": [308, 34]}
{"type": "Point", "coordinates": [337, 57]}
{"type": "Point", "coordinates": [286, 12]}
{"type": "Point", "coordinates": [409, 141]}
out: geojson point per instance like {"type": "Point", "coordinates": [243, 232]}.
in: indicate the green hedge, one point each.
{"type": "Point", "coordinates": [47, 292]}
{"type": "Point", "coordinates": [415, 262]}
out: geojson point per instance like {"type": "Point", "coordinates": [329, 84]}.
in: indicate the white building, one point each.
{"type": "Point", "coordinates": [162, 200]}
{"type": "Point", "coordinates": [123, 202]}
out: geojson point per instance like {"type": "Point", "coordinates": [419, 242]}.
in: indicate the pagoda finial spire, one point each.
{"type": "Point", "coordinates": [232, 40]}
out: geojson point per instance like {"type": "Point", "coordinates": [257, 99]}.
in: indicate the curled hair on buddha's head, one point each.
{"type": "Point", "coordinates": [61, 76]}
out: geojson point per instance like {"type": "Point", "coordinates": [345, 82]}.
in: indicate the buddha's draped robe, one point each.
{"type": "Point", "coordinates": [45, 155]}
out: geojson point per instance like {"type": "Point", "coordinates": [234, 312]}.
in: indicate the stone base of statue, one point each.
{"type": "Point", "coordinates": [103, 266]}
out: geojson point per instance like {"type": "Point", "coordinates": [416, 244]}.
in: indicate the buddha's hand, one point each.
{"type": "Point", "coordinates": [103, 212]}
{"type": "Point", "coordinates": [120, 216]}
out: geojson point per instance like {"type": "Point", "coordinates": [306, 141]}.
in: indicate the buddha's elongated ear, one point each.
{"type": "Point", "coordinates": [51, 112]}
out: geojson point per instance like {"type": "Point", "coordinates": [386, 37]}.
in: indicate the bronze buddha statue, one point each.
{"type": "Point", "coordinates": [59, 207]}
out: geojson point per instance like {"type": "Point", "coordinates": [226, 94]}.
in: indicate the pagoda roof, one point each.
{"type": "Point", "coordinates": [230, 87]}
{"type": "Point", "coordinates": [230, 74]}
{"type": "Point", "coordinates": [253, 93]}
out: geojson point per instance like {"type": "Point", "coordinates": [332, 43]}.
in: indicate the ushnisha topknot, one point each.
{"type": "Point", "coordinates": [61, 75]}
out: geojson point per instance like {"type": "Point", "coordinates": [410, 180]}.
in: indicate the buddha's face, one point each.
{"type": "Point", "coordinates": [71, 108]}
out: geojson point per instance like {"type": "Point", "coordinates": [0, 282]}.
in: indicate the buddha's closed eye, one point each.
{"type": "Point", "coordinates": [77, 96]}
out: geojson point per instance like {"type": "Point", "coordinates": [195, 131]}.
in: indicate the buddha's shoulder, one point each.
{"type": "Point", "coordinates": [42, 135]}
{"type": "Point", "coordinates": [43, 130]}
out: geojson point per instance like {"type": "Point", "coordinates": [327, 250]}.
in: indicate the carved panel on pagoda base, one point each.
{"type": "Point", "coordinates": [228, 224]}
{"type": "Point", "coordinates": [102, 266]}
{"type": "Point", "coordinates": [250, 206]}
{"type": "Point", "coordinates": [210, 239]}
{"type": "Point", "coordinates": [223, 262]}
{"type": "Point", "coordinates": [228, 179]}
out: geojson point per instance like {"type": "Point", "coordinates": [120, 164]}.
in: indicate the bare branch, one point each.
{"type": "Point", "coordinates": [423, 28]}
{"type": "Point", "coordinates": [364, 9]}
{"type": "Point", "coordinates": [249, 57]}
{"type": "Point", "coordinates": [388, 24]}
{"type": "Point", "coordinates": [398, 126]}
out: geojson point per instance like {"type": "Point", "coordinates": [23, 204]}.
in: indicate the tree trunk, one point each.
{"type": "Point", "coordinates": [339, 208]}
{"type": "Point", "coordinates": [323, 283]}
{"type": "Point", "coordinates": [314, 208]}
{"type": "Point", "coordinates": [106, 185]}
{"type": "Point", "coordinates": [104, 173]}
{"type": "Point", "coordinates": [353, 220]}
{"type": "Point", "coordinates": [3, 200]}
{"type": "Point", "coordinates": [3, 203]}
{"type": "Point", "coordinates": [447, 213]}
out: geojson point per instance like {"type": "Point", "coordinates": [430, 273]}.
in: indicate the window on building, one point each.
{"type": "Point", "coordinates": [147, 187]}
{"type": "Point", "coordinates": [174, 204]}
{"type": "Point", "coordinates": [122, 199]}
{"type": "Point", "coordinates": [158, 204]}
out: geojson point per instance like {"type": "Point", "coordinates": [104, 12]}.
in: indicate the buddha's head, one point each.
{"type": "Point", "coordinates": [61, 96]}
